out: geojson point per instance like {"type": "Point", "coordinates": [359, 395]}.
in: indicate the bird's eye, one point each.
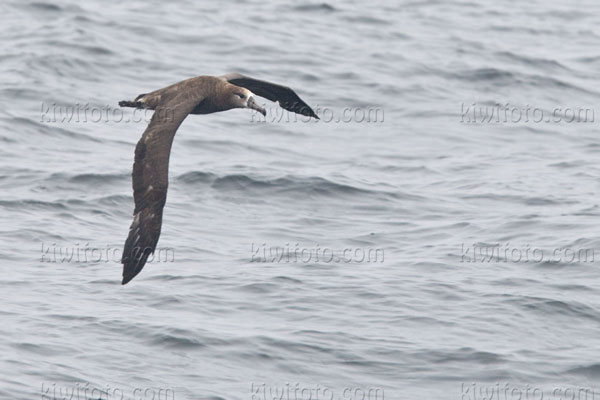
{"type": "Point", "coordinates": [241, 96]}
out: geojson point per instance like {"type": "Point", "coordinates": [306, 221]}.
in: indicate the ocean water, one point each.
{"type": "Point", "coordinates": [431, 237]}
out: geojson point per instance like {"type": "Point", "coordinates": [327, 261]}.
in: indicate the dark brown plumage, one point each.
{"type": "Point", "coordinates": [171, 105]}
{"type": "Point", "coordinates": [286, 97]}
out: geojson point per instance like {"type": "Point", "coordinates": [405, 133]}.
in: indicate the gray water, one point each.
{"type": "Point", "coordinates": [428, 187]}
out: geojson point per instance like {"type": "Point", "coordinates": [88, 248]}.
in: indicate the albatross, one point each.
{"type": "Point", "coordinates": [171, 105]}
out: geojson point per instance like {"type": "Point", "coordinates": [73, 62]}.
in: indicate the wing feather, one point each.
{"type": "Point", "coordinates": [150, 181]}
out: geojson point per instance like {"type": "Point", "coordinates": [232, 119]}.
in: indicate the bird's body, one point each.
{"type": "Point", "coordinates": [209, 89]}
{"type": "Point", "coordinates": [171, 105]}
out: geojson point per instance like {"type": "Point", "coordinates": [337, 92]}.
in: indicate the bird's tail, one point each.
{"type": "Point", "coordinates": [137, 103]}
{"type": "Point", "coordinates": [127, 103]}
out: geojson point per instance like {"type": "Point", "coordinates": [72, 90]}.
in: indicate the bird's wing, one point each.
{"type": "Point", "coordinates": [150, 180]}
{"type": "Point", "coordinates": [287, 98]}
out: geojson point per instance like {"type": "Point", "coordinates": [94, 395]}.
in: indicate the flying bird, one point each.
{"type": "Point", "coordinates": [171, 105]}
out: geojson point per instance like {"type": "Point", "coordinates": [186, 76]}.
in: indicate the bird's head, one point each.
{"type": "Point", "coordinates": [243, 98]}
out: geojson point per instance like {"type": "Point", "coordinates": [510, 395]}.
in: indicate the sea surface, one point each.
{"type": "Point", "coordinates": [433, 236]}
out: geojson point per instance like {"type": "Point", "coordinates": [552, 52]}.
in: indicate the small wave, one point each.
{"type": "Point", "coordinates": [178, 341]}
{"type": "Point", "coordinates": [32, 204]}
{"type": "Point", "coordinates": [505, 77]}
{"type": "Point", "coordinates": [84, 48]}
{"type": "Point", "coordinates": [6, 139]}
{"type": "Point", "coordinates": [485, 74]}
{"type": "Point", "coordinates": [591, 371]}
{"type": "Point", "coordinates": [241, 182]}
{"type": "Point", "coordinates": [557, 307]}
{"type": "Point", "coordinates": [365, 19]}
{"type": "Point", "coordinates": [112, 200]}
{"type": "Point", "coordinates": [593, 211]}
{"type": "Point", "coordinates": [550, 264]}
{"type": "Point", "coordinates": [315, 7]}
{"type": "Point", "coordinates": [166, 277]}
{"type": "Point", "coordinates": [43, 128]}
{"type": "Point", "coordinates": [468, 355]}
{"type": "Point", "coordinates": [259, 287]}
{"type": "Point", "coordinates": [96, 179]}
{"type": "Point", "coordinates": [287, 279]}
{"type": "Point", "coordinates": [311, 185]}
{"type": "Point", "coordinates": [45, 6]}
{"type": "Point", "coordinates": [294, 346]}
{"type": "Point", "coordinates": [38, 350]}
{"type": "Point", "coordinates": [568, 164]}
{"type": "Point", "coordinates": [292, 185]}
{"type": "Point", "coordinates": [530, 201]}
{"type": "Point", "coordinates": [532, 61]}
{"type": "Point", "coordinates": [196, 176]}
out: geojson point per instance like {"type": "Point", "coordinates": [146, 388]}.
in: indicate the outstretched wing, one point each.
{"type": "Point", "coordinates": [150, 180]}
{"type": "Point", "coordinates": [287, 98]}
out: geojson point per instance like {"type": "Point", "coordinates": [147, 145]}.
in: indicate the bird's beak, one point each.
{"type": "Point", "coordinates": [254, 105]}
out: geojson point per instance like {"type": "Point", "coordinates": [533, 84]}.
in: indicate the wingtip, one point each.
{"type": "Point", "coordinates": [309, 112]}
{"type": "Point", "coordinates": [312, 114]}
{"type": "Point", "coordinates": [127, 277]}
